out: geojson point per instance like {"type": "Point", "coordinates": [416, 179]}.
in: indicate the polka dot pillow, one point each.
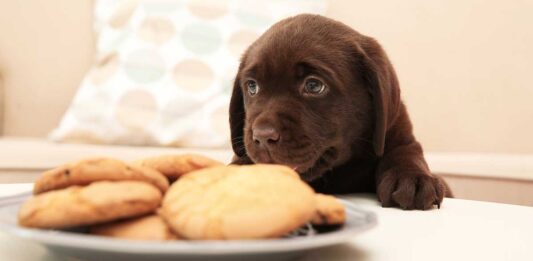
{"type": "Point", "coordinates": [165, 70]}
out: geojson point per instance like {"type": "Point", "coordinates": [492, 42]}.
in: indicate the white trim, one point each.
{"type": "Point", "coordinates": [38, 154]}
{"type": "Point", "coordinates": [514, 166]}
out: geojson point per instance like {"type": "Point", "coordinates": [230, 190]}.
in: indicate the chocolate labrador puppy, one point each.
{"type": "Point", "coordinates": [313, 94]}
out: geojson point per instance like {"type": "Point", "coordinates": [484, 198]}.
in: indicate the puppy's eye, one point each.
{"type": "Point", "coordinates": [252, 86]}
{"type": "Point", "coordinates": [314, 86]}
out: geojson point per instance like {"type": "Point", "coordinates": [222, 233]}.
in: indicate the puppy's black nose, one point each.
{"type": "Point", "coordinates": [265, 135]}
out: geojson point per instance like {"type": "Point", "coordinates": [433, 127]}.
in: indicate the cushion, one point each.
{"type": "Point", "coordinates": [165, 69]}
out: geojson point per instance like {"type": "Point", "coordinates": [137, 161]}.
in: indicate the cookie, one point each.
{"type": "Point", "coordinates": [329, 211]}
{"type": "Point", "coordinates": [151, 227]}
{"type": "Point", "coordinates": [96, 203]}
{"type": "Point", "coordinates": [173, 166]}
{"type": "Point", "coordinates": [98, 169]}
{"type": "Point", "coordinates": [238, 202]}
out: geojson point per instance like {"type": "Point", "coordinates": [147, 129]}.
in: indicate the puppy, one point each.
{"type": "Point", "coordinates": [313, 94]}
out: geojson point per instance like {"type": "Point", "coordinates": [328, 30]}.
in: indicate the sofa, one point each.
{"type": "Point", "coordinates": [46, 47]}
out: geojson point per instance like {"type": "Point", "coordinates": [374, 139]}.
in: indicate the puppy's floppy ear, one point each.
{"type": "Point", "coordinates": [237, 116]}
{"type": "Point", "coordinates": [379, 75]}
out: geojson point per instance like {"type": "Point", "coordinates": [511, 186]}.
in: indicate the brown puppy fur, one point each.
{"type": "Point", "coordinates": [313, 94]}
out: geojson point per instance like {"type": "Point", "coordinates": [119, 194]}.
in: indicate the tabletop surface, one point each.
{"type": "Point", "coordinates": [459, 230]}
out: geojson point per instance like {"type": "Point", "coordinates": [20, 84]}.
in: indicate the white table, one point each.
{"type": "Point", "coordinates": [460, 230]}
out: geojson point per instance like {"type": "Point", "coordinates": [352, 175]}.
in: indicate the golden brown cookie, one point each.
{"type": "Point", "coordinates": [238, 202]}
{"type": "Point", "coordinates": [98, 169]}
{"type": "Point", "coordinates": [329, 211]}
{"type": "Point", "coordinates": [173, 166]}
{"type": "Point", "coordinates": [98, 202]}
{"type": "Point", "coordinates": [151, 227]}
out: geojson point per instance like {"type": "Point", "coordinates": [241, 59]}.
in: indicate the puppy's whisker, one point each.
{"type": "Point", "coordinates": [237, 140]}
{"type": "Point", "coordinates": [240, 138]}
{"type": "Point", "coordinates": [365, 140]}
{"type": "Point", "coordinates": [240, 148]}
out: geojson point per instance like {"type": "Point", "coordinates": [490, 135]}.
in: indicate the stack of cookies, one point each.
{"type": "Point", "coordinates": [206, 201]}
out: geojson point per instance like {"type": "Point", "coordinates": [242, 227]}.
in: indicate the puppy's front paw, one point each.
{"type": "Point", "coordinates": [410, 190]}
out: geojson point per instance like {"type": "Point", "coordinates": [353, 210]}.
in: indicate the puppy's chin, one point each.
{"type": "Point", "coordinates": [320, 165]}
{"type": "Point", "coordinates": [311, 175]}
{"type": "Point", "coordinates": [309, 170]}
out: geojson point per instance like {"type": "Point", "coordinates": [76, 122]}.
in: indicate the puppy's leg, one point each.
{"type": "Point", "coordinates": [403, 176]}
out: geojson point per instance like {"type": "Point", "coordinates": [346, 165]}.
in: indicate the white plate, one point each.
{"type": "Point", "coordinates": [100, 248]}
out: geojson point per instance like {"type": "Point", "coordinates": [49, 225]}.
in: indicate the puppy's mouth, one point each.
{"type": "Point", "coordinates": [308, 170]}
{"type": "Point", "coordinates": [318, 167]}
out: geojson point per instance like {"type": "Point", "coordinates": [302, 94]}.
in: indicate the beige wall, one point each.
{"type": "Point", "coordinates": [45, 48]}
{"type": "Point", "coordinates": [1, 103]}
{"type": "Point", "coordinates": [464, 66]}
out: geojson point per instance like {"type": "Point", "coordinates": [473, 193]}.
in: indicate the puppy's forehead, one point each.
{"type": "Point", "coordinates": [288, 45]}
{"type": "Point", "coordinates": [281, 57]}
{"type": "Point", "coordinates": [265, 62]}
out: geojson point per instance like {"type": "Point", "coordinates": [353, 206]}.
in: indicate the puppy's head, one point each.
{"type": "Point", "coordinates": [311, 93]}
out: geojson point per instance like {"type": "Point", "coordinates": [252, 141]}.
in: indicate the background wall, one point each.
{"type": "Point", "coordinates": [465, 67]}
{"type": "Point", "coordinates": [45, 49]}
